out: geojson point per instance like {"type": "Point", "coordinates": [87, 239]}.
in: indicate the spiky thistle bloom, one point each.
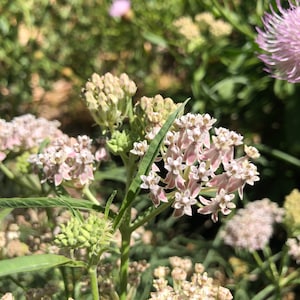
{"type": "Point", "coordinates": [280, 41]}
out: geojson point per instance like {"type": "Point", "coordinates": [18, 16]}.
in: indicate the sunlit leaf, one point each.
{"type": "Point", "coordinates": [37, 262]}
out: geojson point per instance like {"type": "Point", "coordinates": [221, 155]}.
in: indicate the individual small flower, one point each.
{"type": "Point", "coordinates": [139, 148]}
{"type": "Point", "coordinates": [119, 8]}
{"type": "Point", "coordinates": [221, 203]}
{"type": "Point", "coordinates": [252, 227]}
{"type": "Point", "coordinates": [280, 41]}
{"type": "Point", "coordinates": [294, 248]}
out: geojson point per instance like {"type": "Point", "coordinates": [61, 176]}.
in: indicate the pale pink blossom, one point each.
{"type": "Point", "coordinates": [69, 160]}
{"type": "Point", "coordinates": [195, 158]}
{"type": "Point", "coordinates": [252, 227]}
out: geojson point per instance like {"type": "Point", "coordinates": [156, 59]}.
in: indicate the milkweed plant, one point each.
{"type": "Point", "coordinates": [167, 163]}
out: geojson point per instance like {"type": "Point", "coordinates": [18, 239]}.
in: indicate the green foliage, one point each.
{"type": "Point", "coordinates": [69, 40]}
{"type": "Point", "coordinates": [34, 263]}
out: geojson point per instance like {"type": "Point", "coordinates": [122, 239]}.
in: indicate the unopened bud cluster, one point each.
{"type": "Point", "coordinates": [153, 112]}
{"type": "Point", "coordinates": [93, 234]}
{"type": "Point", "coordinates": [109, 98]}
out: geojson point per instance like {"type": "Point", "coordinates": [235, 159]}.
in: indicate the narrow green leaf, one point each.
{"type": "Point", "coordinates": [34, 263]}
{"type": "Point", "coordinates": [49, 202]}
{"type": "Point", "coordinates": [264, 293]}
{"type": "Point", "coordinates": [155, 39]}
{"type": "Point", "coordinates": [146, 164]}
{"type": "Point", "coordinates": [109, 202]}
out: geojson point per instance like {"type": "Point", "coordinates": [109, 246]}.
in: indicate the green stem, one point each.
{"type": "Point", "coordinates": [273, 268]}
{"type": "Point", "coordinates": [279, 154]}
{"type": "Point", "coordinates": [125, 247]}
{"type": "Point", "coordinates": [149, 215]}
{"type": "Point", "coordinates": [65, 280]}
{"type": "Point", "coordinates": [24, 181]}
{"type": "Point", "coordinates": [287, 280]}
{"type": "Point", "coordinates": [87, 192]}
{"type": "Point", "coordinates": [94, 282]}
{"type": "Point", "coordinates": [7, 172]}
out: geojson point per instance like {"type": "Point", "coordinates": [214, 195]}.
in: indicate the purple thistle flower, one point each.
{"type": "Point", "coordinates": [280, 40]}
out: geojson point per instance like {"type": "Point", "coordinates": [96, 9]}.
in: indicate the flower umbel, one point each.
{"type": "Point", "coordinates": [195, 160]}
{"type": "Point", "coordinates": [252, 226]}
{"type": "Point", "coordinates": [67, 160]}
{"type": "Point", "coordinates": [281, 43]}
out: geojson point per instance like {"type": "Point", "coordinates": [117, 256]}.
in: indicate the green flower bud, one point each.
{"type": "Point", "coordinates": [120, 142]}
{"type": "Point", "coordinates": [93, 234]}
{"type": "Point", "coordinates": [109, 99]}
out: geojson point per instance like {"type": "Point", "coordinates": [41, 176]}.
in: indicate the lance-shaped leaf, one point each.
{"type": "Point", "coordinates": [37, 262]}
{"type": "Point", "coordinates": [145, 164]}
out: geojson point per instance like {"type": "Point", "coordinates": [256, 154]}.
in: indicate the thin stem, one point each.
{"type": "Point", "coordinates": [273, 268]}
{"type": "Point", "coordinates": [149, 215]}
{"type": "Point", "coordinates": [24, 181]}
{"type": "Point", "coordinates": [125, 247]}
{"type": "Point", "coordinates": [279, 154]}
{"type": "Point", "coordinates": [94, 282]}
{"type": "Point", "coordinates": [87, 192]}
{"type": "Point", "coordinates": [65, 281]}
{"type": "Point", "coordinates": [7, 172]}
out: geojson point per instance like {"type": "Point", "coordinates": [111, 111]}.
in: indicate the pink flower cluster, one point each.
{"type": "Point", "coordinates": [196, 161]}
{"type": "Point", "coordinates": [24, 133]}
{"type": "Point", "coordinates": [252, 227]}
{"type": "Point", "coordinates": [68, 159]}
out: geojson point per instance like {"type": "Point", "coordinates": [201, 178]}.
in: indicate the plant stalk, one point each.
{"type": "Point", "coordinates": [94, 282]}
